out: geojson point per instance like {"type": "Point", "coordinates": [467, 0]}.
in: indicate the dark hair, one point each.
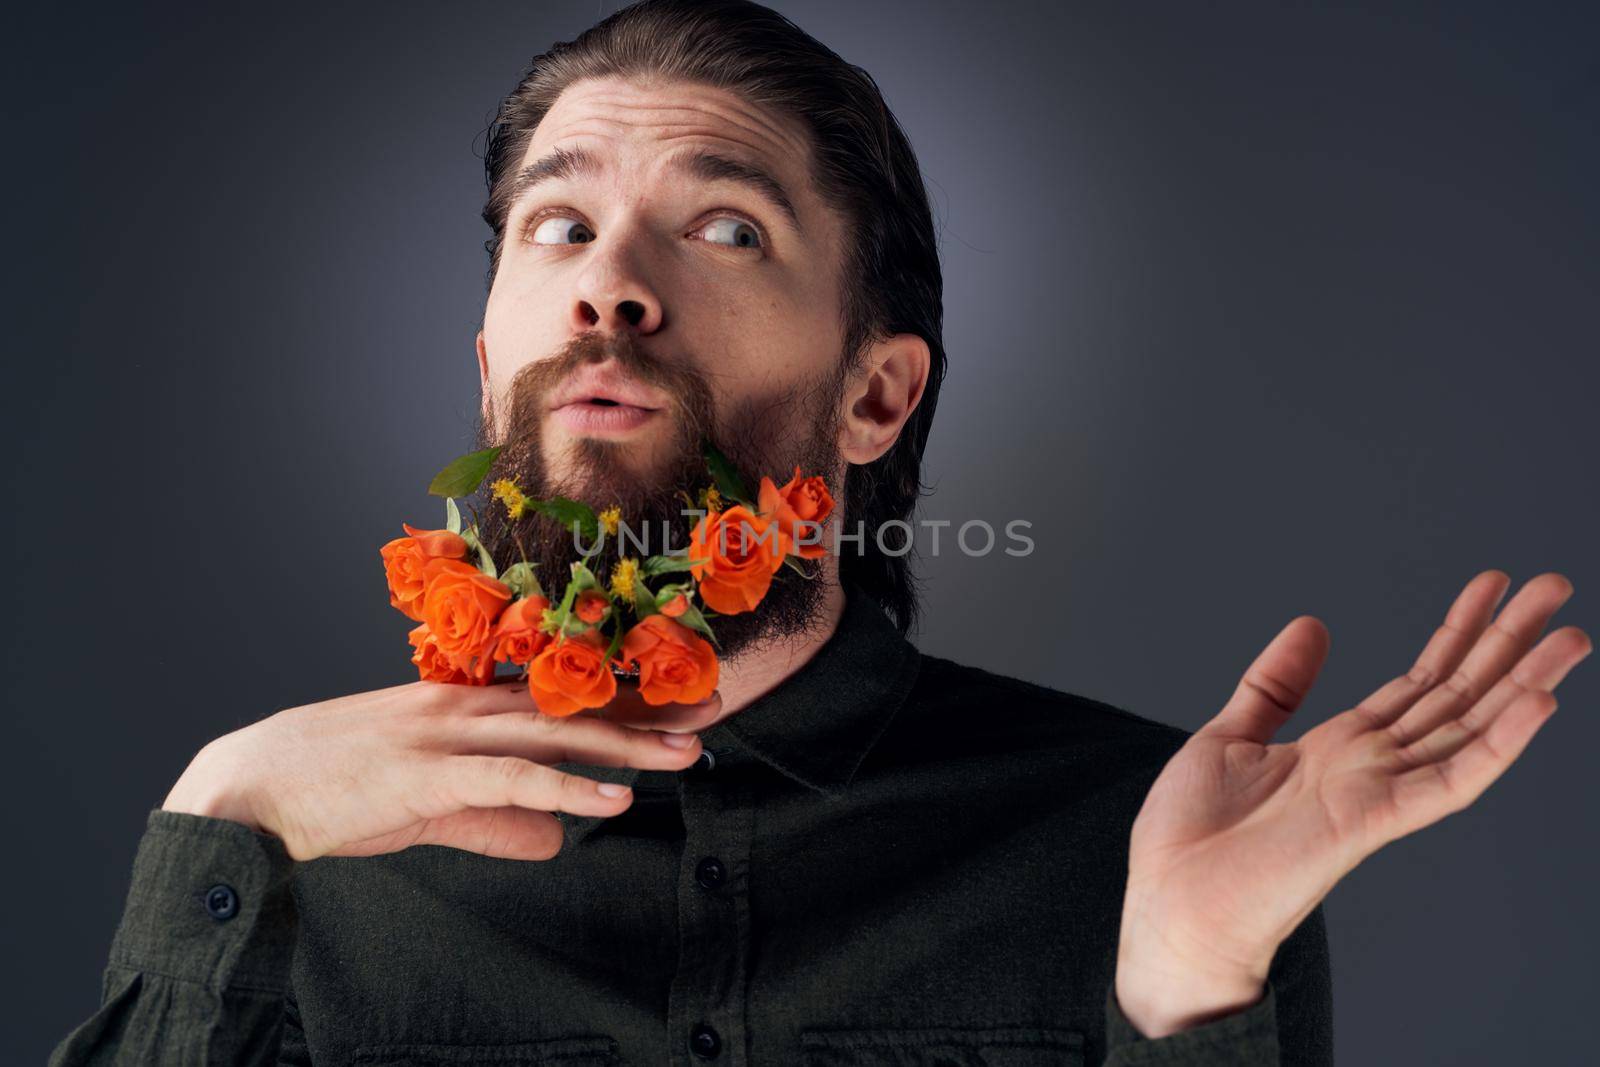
{"type": "Point", "coordinates": [863, 167]}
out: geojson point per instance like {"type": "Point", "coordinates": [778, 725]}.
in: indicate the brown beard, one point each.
{"type": "Point", "coordinates": [768, 435]}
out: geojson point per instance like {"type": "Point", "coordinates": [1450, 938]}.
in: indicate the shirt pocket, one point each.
{"type": "Point", "coordinates": [587, 1050]}
{"type": "Point", "coordinates": [942, 1046]}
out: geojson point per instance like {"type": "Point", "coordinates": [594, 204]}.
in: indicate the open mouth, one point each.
{"type": "Point", "coordinates": [601, 415]}
{"type": "Point", "coordinates": [606, 402]}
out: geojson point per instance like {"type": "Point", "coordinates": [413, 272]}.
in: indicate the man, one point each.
{"type": "Point", "coordinates": [707, 224]}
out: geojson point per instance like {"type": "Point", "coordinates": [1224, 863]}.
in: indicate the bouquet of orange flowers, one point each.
{"type": "Point", "coordinates": [651, 616]}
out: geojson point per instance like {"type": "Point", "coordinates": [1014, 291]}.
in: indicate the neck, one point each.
{"type": "Point", "coordinates": [741, 680]}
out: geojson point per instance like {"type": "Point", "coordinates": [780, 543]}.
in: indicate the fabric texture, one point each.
{"type": "Point", "coordinates": [890, 858]}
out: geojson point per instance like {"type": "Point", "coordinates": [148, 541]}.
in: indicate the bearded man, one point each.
{"type": "Point", "coordinates": [708, 226]}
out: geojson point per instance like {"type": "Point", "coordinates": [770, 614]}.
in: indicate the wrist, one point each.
{"type": "Point", "coordinates": [212, 786]}
{"type": "Point", "coordinates": [1164, 998]}
{"type": "Point", "coordinates": [1167, 981]}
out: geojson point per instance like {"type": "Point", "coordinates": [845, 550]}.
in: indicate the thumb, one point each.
{"type": "Point", "coordinates": [1275, 684]}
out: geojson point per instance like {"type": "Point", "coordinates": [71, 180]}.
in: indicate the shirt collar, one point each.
{"type": "Point", "coordinates": [817, 725]}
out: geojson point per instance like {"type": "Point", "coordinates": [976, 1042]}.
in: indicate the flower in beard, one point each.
{"type": "Point", "coordinates": [799, 507]}
{"type": "Point", "coordinates": [736, 552]}
{"type": "Point", "coordinates": [461, 605]}
{"type": "Point", "coordinates": [675, 664]}
{"type": "Point", "coordinates": [404, 559]}
{"type": "Point", "coordinates": [432, 664]}
{"type": "Point", "coordinates": [517, 636]}
{"type": "Point", "coordinates": [571, 675]}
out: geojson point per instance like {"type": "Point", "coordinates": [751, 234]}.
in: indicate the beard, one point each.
{"type": "Point", "coordinates": [765, 435]}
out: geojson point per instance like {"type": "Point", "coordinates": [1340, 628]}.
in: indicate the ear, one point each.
{"type": "Point", "coordinates": [882, 397]}
{"type": "Point", "coordinates": [483, 376]}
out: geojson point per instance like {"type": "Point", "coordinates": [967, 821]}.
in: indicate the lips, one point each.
{"type": "Point", "coordinates": [602, 419]}
{"type": "Point", "coordinates": [606, 386]}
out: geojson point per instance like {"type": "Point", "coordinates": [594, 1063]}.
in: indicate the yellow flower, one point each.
{"type": "Point", "coordinates": [710, 499]}
{"type": "Point", "coordinates": [506, 491]}
{"type": "Point", "coordinates": [623, 576]}
{"type": "Point", "coordinates": [609, 519]}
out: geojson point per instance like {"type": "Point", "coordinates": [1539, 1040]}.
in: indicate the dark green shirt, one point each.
{"type": "Point", "coordinates": [891, 858]}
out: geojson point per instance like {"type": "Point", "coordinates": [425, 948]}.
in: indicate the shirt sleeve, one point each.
{"type": "Point", "coordinates": [1291, 1025]}
{"type": "Point", "coordinates": [199, 965]}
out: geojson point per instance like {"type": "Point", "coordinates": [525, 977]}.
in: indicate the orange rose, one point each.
{"type": "Point", "coordinates": [676, 606]}
{"type": "Point", "coordinates": [799, 508]}
{"type": "Point", "coordinates": [404, 559]}
{"type": "Point", "coordinates": [590, 605]}
{"type": "Point", "coordinates": [517, 637]}
{"type": "Point", "coordinates": [676, 665]}
{"type": "Point", "coordinates": [571, 675]}
{"type": "Point", "coordinates": [461, 604]}
{"type": "Point", "coordinates": [432, 665]}
{"type": "Point", "coordinates": [738, 553]}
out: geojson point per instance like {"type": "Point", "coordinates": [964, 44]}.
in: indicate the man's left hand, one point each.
{"type": "Point", "coordinates": [1240, 838]}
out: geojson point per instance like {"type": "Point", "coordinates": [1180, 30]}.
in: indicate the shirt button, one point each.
{"type": "Point", "coordinates": [704, 762]}
{"type": "Point", "coordinates": [705, 1042]}
{"type": "Point", "coordinates": [222, 902]}
{"type": "Point", "coordinates": [710, 872]}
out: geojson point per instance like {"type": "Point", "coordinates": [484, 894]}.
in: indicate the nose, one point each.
{"type": "Point", "coordinates": [614, 294]}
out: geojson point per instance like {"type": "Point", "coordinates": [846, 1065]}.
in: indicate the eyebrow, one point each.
{"type": "Point", "coordinates": [703, 164]}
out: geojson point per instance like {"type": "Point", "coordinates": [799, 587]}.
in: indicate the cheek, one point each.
{"type": "Point", "coordinates": [764, 336]}
{"type": "Point", "coordinates": [514, 335]}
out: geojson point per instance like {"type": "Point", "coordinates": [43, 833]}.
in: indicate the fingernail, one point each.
{"type": "Point", "coordinates": [611, 789]}
{"type": "Point", "coordinates": [676, 740]}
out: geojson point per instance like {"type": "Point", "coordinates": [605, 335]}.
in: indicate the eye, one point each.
{"type": "Point", "coordinates": [735, 232]}
{"type": "Point", "coordinates": [560, 229]}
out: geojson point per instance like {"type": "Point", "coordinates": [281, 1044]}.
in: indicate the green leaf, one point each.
{"type": "Point", "coordinates": [658, 565]}
{"type": "Point", "coordinates": [522, 580]}
{"type": "Point", "coordinates": [616, 640]}
{"type": "Point", "coordinates": [725, 475]}
{"type": "Point", "coordinates": [464, 474]}
{"type": "Point", "coordinates": [667, 592]}
{"type": "Point", "coordinates": [452, 516]}
{"type": "Point", "coordinates": [582, 578]}
{"type": "Point", "coordinates": [794, 564]}
{"type": "Point", "coordinates": [485, 561]}
{"type": "Point", "coordinates": [644, 601]}
{"type": "Point", "coordinates": [567, 512]}
{"type": "Point", "coordinates": [697, 622]}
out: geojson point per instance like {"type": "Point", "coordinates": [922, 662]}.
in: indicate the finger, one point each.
{"type": "Point", "coordinates": [1275, 684]}
{"type": "Point", "coordinates": [1505, 641]}
{"type": "Point", "coordinates": [1466, 620]}
{"type": "Point", "coordinates": [507, 832]}
{"type": "Point", "coordinates": [507, 692]}
{"type": "Point", "coordinates": [532, 735]}
{"type": "Point", "coordinates": [472, 781]}
{"type": "Point", "coordinates": [1426, 794]}
{"type": "Point", "coordinates": [628, 708]}
{"type": "Point", "coordinates": [1543, 668]}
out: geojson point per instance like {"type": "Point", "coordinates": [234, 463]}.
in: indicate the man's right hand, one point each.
{"type": "Point", "coordinates": [428, 763]}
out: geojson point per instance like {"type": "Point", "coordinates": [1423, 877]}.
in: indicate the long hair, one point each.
{"type": "Point", "coordinates": [863, 168]}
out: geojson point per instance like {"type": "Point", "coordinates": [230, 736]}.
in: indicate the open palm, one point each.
{"type": "Point", "coordinates": [1239, 837]}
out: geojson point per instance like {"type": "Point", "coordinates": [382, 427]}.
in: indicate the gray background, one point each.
{"type": "Point", "coordinates": [1252, 311]}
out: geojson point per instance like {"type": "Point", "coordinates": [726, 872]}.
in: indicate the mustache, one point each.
{"type": "Point", "coordinates": [533, 383]}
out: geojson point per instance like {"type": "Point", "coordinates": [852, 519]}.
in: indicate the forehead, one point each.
{"type": "Point", "coordinates": [633, 121]}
